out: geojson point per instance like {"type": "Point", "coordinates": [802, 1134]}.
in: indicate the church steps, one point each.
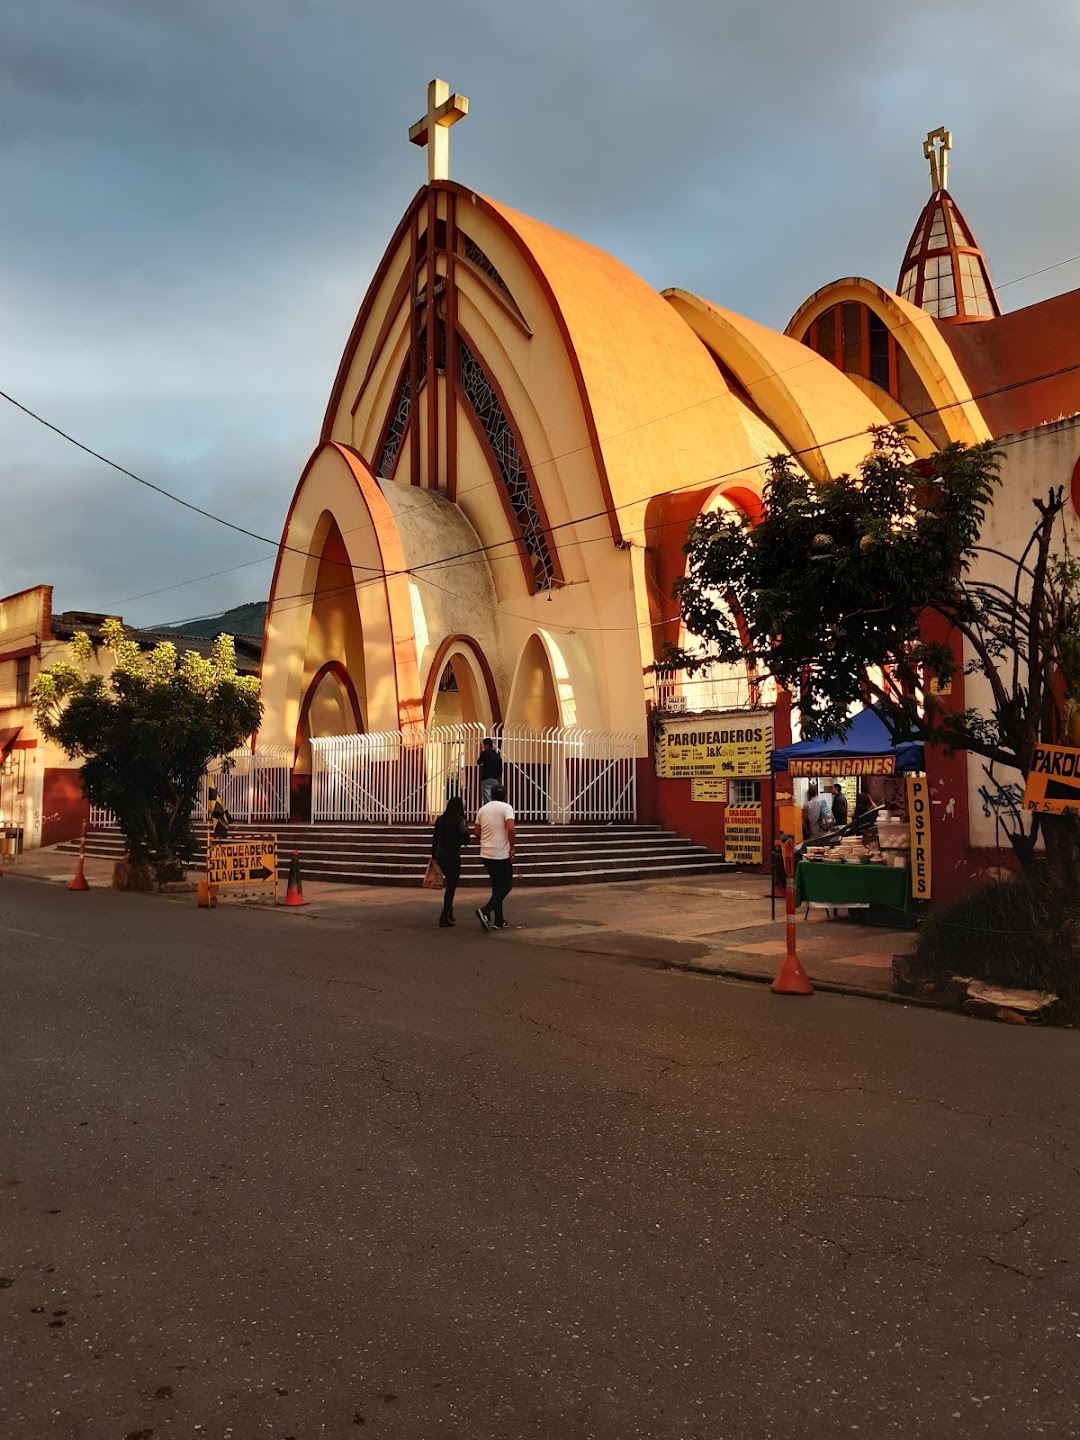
{"type": "Point", "coordinates": [397, 854]}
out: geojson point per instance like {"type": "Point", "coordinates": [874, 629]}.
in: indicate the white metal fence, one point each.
{"type": "Point", "coordinates": [559, 775]}
{"type": "Point", "coordinates": [253, 785]}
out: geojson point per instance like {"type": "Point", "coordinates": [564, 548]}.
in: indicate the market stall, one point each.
{"type": "Point", "coordinates": [870, 868]}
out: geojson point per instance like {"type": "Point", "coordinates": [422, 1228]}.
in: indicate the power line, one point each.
{"type": "Point", "coordinates": [451, 561]}
{"type": "Point", "coordinates": [384, 574]}
{"type": "Point", "coordinates": [149, 484]}
{"type": "Point", "coordinates": [334, 591]}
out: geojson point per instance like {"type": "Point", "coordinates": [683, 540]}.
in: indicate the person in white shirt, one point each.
{"type": "Point", "coordinates": [494, 829]}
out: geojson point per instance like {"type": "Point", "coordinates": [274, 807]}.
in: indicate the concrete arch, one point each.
{"type": "Point", "coordinates": [552, 683]}
{"type": "Point", "coordinates": [340, 593]}
{"type": "Point", "coordinates": [480, 702]}
{"type": "Point", "coordinates": [330, 706]}
{"type": "Point", "coordinates": [916, 333]}
{"type": "Point", "coordinates": [822, 418]}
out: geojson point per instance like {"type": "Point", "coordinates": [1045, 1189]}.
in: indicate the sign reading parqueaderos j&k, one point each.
{"type": "Point", "coordinates": [727, 746]}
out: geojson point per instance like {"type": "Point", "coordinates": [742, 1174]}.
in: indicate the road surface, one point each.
{"type": "Point", "coordinates": [283, 1175]}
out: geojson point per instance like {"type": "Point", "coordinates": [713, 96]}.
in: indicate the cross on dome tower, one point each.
{"type": "Point", "coordinates": [944, 271]}
{"type": "Point", "coordinates": [443, 110]}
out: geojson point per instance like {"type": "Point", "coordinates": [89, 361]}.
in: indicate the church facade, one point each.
{"type": "Point", "coordinates": [521, 431]}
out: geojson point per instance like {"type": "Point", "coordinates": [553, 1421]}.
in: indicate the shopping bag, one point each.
{"type": "Point", "coordinates": [433, 876]}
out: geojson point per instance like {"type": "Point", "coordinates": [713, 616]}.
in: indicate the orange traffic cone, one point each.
{"type": "Point", "coordinates": [792, 979]}
{"type": "Point", "coordinates": [79, 882]}
{"type": "Point", "coordinates": [294, 895]}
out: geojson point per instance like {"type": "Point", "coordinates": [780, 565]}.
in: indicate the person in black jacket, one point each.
{"type": "Point", "coordinates": [490, 764]}
{"type": "Point", "coordinates": [447, 839]}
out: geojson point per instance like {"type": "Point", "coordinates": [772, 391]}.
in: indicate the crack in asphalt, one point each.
{"type": "Point", "coordinates": [1001, 1265]}
{"type": "Point", "coordinates": [893, 1095]}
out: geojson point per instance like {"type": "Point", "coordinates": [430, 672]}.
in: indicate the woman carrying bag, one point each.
{"type": "Point", "coordinates": [447, 838]}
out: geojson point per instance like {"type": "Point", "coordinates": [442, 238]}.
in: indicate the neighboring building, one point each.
{"type": "Point", "coordinates": [521, 430]}
{"type": "Point", "coordinates": [41, 796]}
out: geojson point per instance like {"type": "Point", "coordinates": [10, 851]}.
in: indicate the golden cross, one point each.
{"type": "Point", "coordinates": [443, 110]}
{"type": "Point", "coordinates": [938, 157]}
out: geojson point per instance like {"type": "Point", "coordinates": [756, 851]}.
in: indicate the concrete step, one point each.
{"type": "Point", "coordinates": [396, 855]}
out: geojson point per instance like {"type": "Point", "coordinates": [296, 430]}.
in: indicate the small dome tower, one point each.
{"type": "Point", "coordinates": [944, 271]}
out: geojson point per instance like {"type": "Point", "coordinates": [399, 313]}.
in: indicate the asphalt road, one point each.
{"type": "Point", "coordinates": [264, 1174]}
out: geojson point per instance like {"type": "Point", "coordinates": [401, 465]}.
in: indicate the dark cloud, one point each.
{"type": "Point", "coordinates": [193, 197]}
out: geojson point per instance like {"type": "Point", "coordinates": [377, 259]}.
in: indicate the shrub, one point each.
{"type": "Point", "coordinates": [1020, 932]}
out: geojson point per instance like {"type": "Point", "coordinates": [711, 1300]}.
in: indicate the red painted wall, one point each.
{"type": "Point", "coordinates": [64, 807]}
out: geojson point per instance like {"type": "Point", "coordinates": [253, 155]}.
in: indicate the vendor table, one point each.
{"type": "Point", "coordinates": [818, 883]}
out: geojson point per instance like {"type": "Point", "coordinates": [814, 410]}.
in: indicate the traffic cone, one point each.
{"type": "Point", "coordinates": [79, 882]}
{"type": "Point", "coordinates": [792, 979]}
{"type": "Point", "coordinates": [294, 895]}
{"type": "Point", "coordinates": [206, 896]}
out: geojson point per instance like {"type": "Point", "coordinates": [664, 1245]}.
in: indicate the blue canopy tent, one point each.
{"type": "Point", "coordinates": [865, 738]}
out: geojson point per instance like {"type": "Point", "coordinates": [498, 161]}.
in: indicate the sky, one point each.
{"type": "Point", "coordinates": [194, 195]}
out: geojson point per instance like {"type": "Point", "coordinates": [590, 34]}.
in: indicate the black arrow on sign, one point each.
{"type": "Point", "coordinates": [260, 874]}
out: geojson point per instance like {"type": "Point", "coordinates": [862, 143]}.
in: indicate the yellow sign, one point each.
{"type": "Point", "coordinates": [714, 791]}
{"type": "Point", "coordinates": [918, 802]}
{"type": "Point", "coordinates": [1053, 782]}
{"type": "Point", "coordinates": [742, 835]}
{"type": "Point", "coordinates": [844, 765]}
{"type": "Point", "coordinates": [722, 746]}
{"type": "Point", "coordinates": [249, 862]}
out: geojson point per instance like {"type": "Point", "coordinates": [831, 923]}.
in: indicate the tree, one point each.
{"type": "Point", "coordinates": [854, 590]}
{"type": "Point", "coordinates": [147, 732]}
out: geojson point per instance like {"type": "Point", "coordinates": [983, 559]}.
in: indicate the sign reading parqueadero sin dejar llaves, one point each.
{"type": "Point", "coordinates": [727, 746]}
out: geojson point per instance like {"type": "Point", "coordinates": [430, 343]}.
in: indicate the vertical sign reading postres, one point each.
{"type": "Point", "coordinates": [918, 800]}
{"type": "Point", "coordinates": [726, 747]}
{"type": "Point", "coordinates": [742, 835]}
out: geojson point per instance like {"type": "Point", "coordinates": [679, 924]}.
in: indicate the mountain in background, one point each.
{"type": "Point", "coordinates": [240, 620]}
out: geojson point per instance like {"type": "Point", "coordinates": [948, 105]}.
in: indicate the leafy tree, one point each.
{"type": "Point", "coordinates": [147, 732]}
{"type": "Point", "coordinates": [848, 590]}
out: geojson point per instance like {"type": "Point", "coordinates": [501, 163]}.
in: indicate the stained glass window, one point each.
{"type": "Point", "coordinates": [476, 256]}
{"type": "Point", "coordinates": [482, 397]}
{"type": "Point", "coordinates": [395, 431]}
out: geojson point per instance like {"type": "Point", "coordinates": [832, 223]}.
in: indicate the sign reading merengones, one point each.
{"type": "Point", "coordinates": [727, 746]}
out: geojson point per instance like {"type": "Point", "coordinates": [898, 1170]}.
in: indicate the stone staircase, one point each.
{"type": "Point", "coordinates": [360, 854]}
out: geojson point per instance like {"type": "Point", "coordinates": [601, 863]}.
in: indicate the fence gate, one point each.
{"type": "Point", "coordinates": [560, 775]}
{"type": "Point", "coordinates": [253, 785]}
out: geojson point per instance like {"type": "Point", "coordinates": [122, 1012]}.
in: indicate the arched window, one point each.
{"type": "Point", "coordinates": [857, 341]}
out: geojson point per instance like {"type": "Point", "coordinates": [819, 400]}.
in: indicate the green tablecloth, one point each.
{"type": "Point", "coordinates": [821, 884]}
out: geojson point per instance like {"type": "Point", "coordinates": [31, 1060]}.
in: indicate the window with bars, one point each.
{"type": "Point", "coordinates": [742, 793]}
{"type": "Point", "coordinates": [481, 395]}
{"type": "Point", "coordinates": [22, 680]}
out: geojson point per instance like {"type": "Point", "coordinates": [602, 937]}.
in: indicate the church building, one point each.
{"type": "Point", "coordinates": [521, 430]}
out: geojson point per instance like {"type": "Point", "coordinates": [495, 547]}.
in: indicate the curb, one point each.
{"type": "Point", "coordinates": [830, 987]}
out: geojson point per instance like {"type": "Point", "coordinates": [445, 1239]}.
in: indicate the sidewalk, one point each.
{"type": "Point", "coordinates": [716, 925]}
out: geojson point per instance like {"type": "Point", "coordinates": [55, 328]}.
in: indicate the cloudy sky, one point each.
{"type": "Point", "coordinates": [194, 194]}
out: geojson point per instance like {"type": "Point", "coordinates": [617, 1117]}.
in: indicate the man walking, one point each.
{"type": "Point", "coordinates": [490, 764]}
{"type": "Point", "coordinates": [494, 829]}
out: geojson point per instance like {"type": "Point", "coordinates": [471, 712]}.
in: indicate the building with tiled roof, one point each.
{"type": "Point", "coordinates": [41, 798]}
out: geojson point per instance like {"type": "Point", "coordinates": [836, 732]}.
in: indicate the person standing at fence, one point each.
{"type": "Point", "coordinates": [490, 765]}
{"type": "Point", "coordinates": [449, 837]}
{"type": "Point", "coordinates": [495, 831]}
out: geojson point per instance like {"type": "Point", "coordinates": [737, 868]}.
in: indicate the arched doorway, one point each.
{"type": "Point", "coordinates": [330, 707]}
{"type": "Point", "coordinates": [534, 698]}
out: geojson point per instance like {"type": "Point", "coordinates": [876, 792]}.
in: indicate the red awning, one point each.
{"type": "Point", "coordinates": [7, 739]}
